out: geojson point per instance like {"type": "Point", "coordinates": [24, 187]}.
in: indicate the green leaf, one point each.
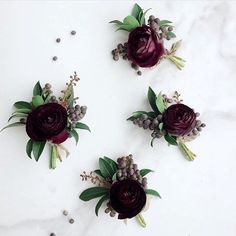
{"type": "Point", "coordinates": [29, 148]}
{"type": "Point", "coordinates": [12, 125]}
{"type": "Point", "coordinates": [144, 172]}
{"type": "Point", "coordinates": [22, 105]}
{"type": "Point", "coordinates": [53, 157]}
{"type": "Point", "coordinates": [160, 103]}
{"type": "Point", "coordinates": [132, 21]}
{"type": "Point", "coordinates": [136, 115]}
{"type": "Point", "coordinates": [152, 99]}
{"type": "Point", "coordinates": [93, 192]}
{"type": "Point", "coordinates": [80, 125]}
{"type": "Point", "coordinates": [161, 126]}
{"type": "Point", "coordinates": [136, 10]}
{"type": "Point", "coordinates": [170, 34]}
{"type": "Point", "coordinates": [164, 22]}
{"type": "Point", "coordinates": [170, 139]}
{"type": "Point", "coordinates": [98, 172]}
{"type": "Point", "coordinates": [152, 192]}
{"type": "Point", "coordinates": [70, 97]}
{"type": "Point", "coordinates": [105, 168]}
{"type": "Point", "coordinates": [114, 178]}
{"type": "Point", "coordinates": [112, 163]}
{"type": "Point", "coordinates": [125, 27]}
{"type": "Point", "coordinates": [116, 22]}
{"type": "Point", "coordinates": [74, 134]}
{"type": "Point", "coordinates": [17, 116]}
{"type": "Point", "coordinates": [23, 110]}
{"type": "Point", "coordinates": [142, 17]}
{"type": "Point", "coordinates": [140, 220]}
{"type": "Point", "coordinates": [37, 100]}
{"type": "Point", "coordinates": [99, 204]}
{"type": "Point", "coordinates": [38, 149]}
{"type": "Point", "coordinates": [37, 89]}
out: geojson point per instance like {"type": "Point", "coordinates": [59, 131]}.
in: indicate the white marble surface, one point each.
{"type": "Point", "coordinates": [198, 198]}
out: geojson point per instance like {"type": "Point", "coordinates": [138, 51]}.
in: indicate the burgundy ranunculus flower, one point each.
{"type": "Point", "coordinates": [127, 197]}
{"type": "Point", "coordinates": [179, 120]}
{"type": "Point", "coordinates": [48, 122]}
{"type": "Point", "coordinates": [144, 47]}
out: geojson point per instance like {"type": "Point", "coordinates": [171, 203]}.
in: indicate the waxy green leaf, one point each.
{"type": "Point", "coordinates": [116, 22]}
{"type": "Point", "coordinates": [170, 34]}
{"type": "Point", "coordinates": [132, 21]}
{"type": "Point", "coordinates": [22, 115]}
{"type": "Point", "coordinates": [37, 89]}
{"type": "Point", "coordinates": [144, 172]}
{"type": "Point", "coordinates": [80, 125]}
{"type": "Point", "coordinates": [29, 148]}
{"type": "Point", "coordinates": [164, 23]}
{"type": "Point", "coordinates": [22, 110]}
{"type": "Point", "coordinates": [99, 204]}
{"type": "Point", "coordinates": [112, 163]}
{"type": "Point", "coordinates": [22, 105]}
{"type": "Point", "coordinates": [160, 103]}
{"type": "Point", "coordinates": [105, 168]}
{"type": "Point", "coordinates": [74, 134]}
{"type": "Point", "coordinates": [38, 149]}
{"type": "Point", "coordinates": [37, 100]}
{"type": "Point", "coordinates": [170, 139]}
{"type": "Point", "coordinates": [152, 99]}
{"type": "Point", "coordinates": [93, 192]}
{"type": "Point", "coordinates": [136, 11]}
{"type": "Point", "coordinates": [12, 125]}
{"type": "Point", "coordinates": [152, 192]}
{"type": "Point", "coordinates": [98, 172]}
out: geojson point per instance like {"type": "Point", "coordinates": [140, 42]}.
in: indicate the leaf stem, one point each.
{"type": "Point", "coordinates": [140, 220]}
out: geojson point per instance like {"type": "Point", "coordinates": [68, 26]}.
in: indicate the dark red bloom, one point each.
{"type": "Point", "coordinates": [127, 197]}
{"type": "Point", "coordinates": [47, 122]}
{"type": "Point", "coordinates": [179, 120]}
{"type": "Point", "coordinates": [144, 47]}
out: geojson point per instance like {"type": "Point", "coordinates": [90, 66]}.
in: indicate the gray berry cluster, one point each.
{"type": "Point", "coordinates": [110, 210]}
{"type": "Point", "coordinates": [128, 170]}
{"type": "Point", "coordinates": [162, 31]}
{"type": "Point", "coordinates": [75, 114]}
{"type": "Point", "coordinates": [146, 122]}
{"type": "Point", "coordinates": [198, 127]}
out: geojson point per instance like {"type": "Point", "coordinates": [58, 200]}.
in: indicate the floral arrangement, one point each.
{"type": "Point", "coordinates": [171, 119]}
{"type": "Point", "coordinates": [50, 120]}
{"type": "Point", "coordinates": [145, 45]}
{"type": "Point", "coordinates": [122, 185]}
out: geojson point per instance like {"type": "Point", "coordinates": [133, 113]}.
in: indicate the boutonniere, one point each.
{"type": "Point", "coordinates": [48, 120]}
{"type": "Point", "coordinates": [145, 44]}
{"type": "Point", "coordinates": [121, 185]}
{"type": "Point", "coordinates": [171, 119]}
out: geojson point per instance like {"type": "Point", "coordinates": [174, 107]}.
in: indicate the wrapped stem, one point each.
{"type": "Point", "coordinates": [140, 220]}
{"type": "Point", "coordinates": [53, 157]}
{"type": "Point", "coordinates": [188, 154]}
{"type": "Point", "coordinates": [178, 61]}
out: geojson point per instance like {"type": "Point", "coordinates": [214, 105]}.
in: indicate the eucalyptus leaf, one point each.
{"type": "Point", "coordinates": [136, 10]}
{"type": "Point", "coordinates": [99, 204]}
{"type": "Point", "coordinates": [37, 89]}
{"type": "Point", "coordinates": [152, 192]}
{"type": "Point", "coordinates": [80, 125]}
{"type": "Point", "coordinates": [105, 168]}
{"type": "Point", "coordinates": [144, 172]}
{"type": "Point", "coordinates": [37, 100]}
{"type": "Point", "coordinates": [170, 139]}
{"type": "Point", "coordinates": [12, 125]}
{"type": "Point", "coordinates": [112, 163]}
{"type": "Point", "coordinates": [22, 105]}
{"type": "Point", "coordinates": [152, 99]}
{"type": "Point", "coordinates": [160, 103]}
{"type": "Point", "coordinates": [38, 149]}
{"type": "Point", "coordinates": [74, 134]}
{"type": "Point", "coordinates": [29, 148]}
{"type": "Point", "coordinates": [93, 192]}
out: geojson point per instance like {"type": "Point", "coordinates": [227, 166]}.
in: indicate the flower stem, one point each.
{"type": "Point", "coordinates": [53, 157]}
{"type": "Point", "coordinates": [141, 220]}
{"type": "Point", "coordinates": [188, 154]}
{"type": "Point", "coordinates": [178, 61]}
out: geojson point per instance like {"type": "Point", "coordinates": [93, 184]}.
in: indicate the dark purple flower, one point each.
{"type": "Point", "coordinates": [144, 47]}
{"type": "Point", "coordinates": [179, 120]}
{"type": "Point", "coordinates": [47, 122]}
{"type": "Point", "coordinates": [127, 197]}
